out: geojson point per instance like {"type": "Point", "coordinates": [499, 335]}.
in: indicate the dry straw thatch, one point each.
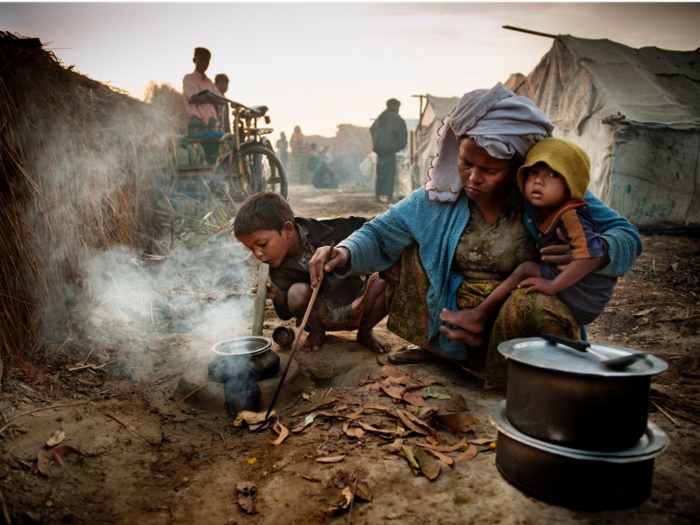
{"type": "Point", "coordinates": [80, 165]}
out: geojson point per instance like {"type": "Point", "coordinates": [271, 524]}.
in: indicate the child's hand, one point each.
{"type": "Point", "coordinates": [538, 284]}
{"type": "Point", "coordinates": [273, 292]}
{"type": "Point", "coordinates": [558, 255]}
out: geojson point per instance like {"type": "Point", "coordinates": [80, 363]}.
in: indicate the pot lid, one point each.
{"type": "Point", "coordinates": [248, 346]}
{"type": "Point", "coordinates": [653, 443]}
{"type": "Point", "coordinates": [535, 351]}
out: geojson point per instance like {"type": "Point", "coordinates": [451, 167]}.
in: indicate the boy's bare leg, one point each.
{"type": "Point", "coordinates": [376, 301]}
{"type": "Point", "coordinates": [298, 299]}
{"type": "Point", "coordinates": [473, 321]}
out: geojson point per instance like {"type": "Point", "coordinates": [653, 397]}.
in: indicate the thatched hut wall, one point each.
{"type": "Point", "coordinates": [80, 166]}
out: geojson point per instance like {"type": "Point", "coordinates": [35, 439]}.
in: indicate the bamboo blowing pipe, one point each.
{"type": "Point", "coordinates": [259, 313]}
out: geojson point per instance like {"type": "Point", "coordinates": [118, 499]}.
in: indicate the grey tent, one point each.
{"type": "Point", "coordinates": [637, 113]}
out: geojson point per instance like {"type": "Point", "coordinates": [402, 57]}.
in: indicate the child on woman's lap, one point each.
{"type": "Point", "coordinates": [554, 179]}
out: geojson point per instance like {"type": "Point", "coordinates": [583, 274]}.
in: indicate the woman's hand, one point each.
{"type": "Point", "coordinates": [318, 264]}
{"type": "Point", "coordinates": [558, 254]}
{"type": "Point", "coordinates": [393, 273]}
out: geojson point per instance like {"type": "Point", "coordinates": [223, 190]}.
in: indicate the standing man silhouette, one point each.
{"type": "Point", "coordinates": [389, 135]}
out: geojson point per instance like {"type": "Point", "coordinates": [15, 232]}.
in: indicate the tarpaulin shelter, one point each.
{"type": "Point", "coordinates": [637, 113]}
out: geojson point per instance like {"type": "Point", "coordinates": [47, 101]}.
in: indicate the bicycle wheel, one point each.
{"type": "Point", "coordinates": [263, 171]}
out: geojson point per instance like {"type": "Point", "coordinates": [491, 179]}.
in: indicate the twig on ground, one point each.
{"type": "Point", "coordinates": [354, 491]}
{"type": "Point", "coordinates": [693, 420]}
{"type": "Point", "coordinates": [11, 421]}
{"type": "Point", "coordinates": [4, 510]}
{"type": "Point", "coordinates": [188, 395]}
{"type": "Point", "coordinates": [666, 414]}
{"type": "Point", "coordinates": [214, 431]}
{"type": "Point", "coordinates": [131, 429]}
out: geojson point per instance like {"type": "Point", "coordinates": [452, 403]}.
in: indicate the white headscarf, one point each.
{"type": "Point", "coordinates": [501, 122]}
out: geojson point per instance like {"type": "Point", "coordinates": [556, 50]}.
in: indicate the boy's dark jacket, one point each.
{"type": "Point", "coordinates": [336, 292]}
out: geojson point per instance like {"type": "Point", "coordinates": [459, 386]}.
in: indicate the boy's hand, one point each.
{"type": "Point", "coordinates": [318, 264]}
{"type": "Point", "coordinates": [273, 292]}
{"type": "Point", "coordinates": [538, 284]}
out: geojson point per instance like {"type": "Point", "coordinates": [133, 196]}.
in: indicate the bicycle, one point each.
{"type": "Point", "coordinates": [237, 164]}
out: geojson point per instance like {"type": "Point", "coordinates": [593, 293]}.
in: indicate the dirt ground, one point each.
{"type": "Point", "coordinates": [148, 463]}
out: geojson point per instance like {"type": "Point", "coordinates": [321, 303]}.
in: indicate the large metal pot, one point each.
{"type": "Point", "coordinates": [577, 478]}
{"type": "Point", "coordinates": [566, 397]}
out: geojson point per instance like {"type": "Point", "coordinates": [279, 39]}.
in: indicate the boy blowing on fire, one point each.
{"type": "Point", "coordinates": [554, 179]}
{"type": "Point", "coordinates": [266, 225]}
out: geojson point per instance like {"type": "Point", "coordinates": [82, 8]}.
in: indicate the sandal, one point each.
{"type": "Point", "coordinates": [409, 360]}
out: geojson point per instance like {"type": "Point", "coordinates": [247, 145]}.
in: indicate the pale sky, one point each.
{"type": "Point", "coordinates": [323, 64]}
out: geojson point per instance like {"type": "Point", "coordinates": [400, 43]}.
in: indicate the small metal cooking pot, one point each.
{"type": "Point", "coordinates": [283, 335]}
{"type": "Point", "coordinates": [243, 352]}
{"type": "Point", "coordinates": [240, 363]}
{"type": "Point", "coordinates": [566, 397]}
{"type": "Point", "coordinates": [577, 478]}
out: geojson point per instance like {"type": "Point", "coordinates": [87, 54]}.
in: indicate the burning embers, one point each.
{"type": "Point", "coordinates": [240, 364]}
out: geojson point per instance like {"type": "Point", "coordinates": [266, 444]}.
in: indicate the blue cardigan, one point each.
{"type": "Point", "coordinates": [437, 227]}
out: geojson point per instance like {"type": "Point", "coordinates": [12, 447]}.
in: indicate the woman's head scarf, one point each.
{"type": "Point", "coordinates": [504, 124]}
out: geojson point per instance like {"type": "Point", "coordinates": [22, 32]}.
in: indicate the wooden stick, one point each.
{"type": "Point", "coordinates": [259, 312]}
{"type": "Point", "coordinates": [666, 414]}
{"type": "Point", "coordinates": [131, 429]}
{"type": "Point", "coordinates": [4, 510]}
{"type": "Point", "coordinates": [684, 416]}
{"type": "Point", "coordinates": [354, 491]}
{"type": "Point", "coordinates": [298, 337]}
{"type": "Point", "coordinates": [11, 421]}
{"type": "Point", "coordinates": [188, 395]}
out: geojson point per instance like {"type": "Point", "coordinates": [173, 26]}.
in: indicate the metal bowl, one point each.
{"type": "Point", "coordinates": [243, 346]}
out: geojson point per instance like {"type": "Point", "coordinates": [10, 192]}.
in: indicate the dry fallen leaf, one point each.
{"type": "Point", "coordinates": [433, 440]}
{"type": "Point", "coordinates": [246, 490]}
{"type": "Point", "coordinates": [252, 418]}
{"type": "Point", "coordinates": [43, 463]}
{"type": "Point", "coordinates": [367, 426]}
{"type": "Point", "coordinates": [428, 464]}
{"type": "Point", "coordinates": [347, 494]}
{"type": "Point", "coordinates": [468, 454]}
{"type": "Point", "coordinates": [376, 407]}
{"type": "Point", "coordinates": [364, 491]}
{"type": "Point", "coordinates": [281, 430]}
{"type": "Point", "coordinates": [390, 371]}
{"type": "Point", "coordinates": [484, 441]}
{"type": "Point", "coordinates": [442, 457]}
{"type": "Point", "coordinates": [456, 403]}
{"type": "Point", "coordinates": [62, 451]}
{"type": "Point", "coordinates": [393, 391]}
{"type": "Point", "coordinates": [459, 422]}
{"type": "Point", "coordinates": [353, 432]}
{"type": "Point", "coordinates": [333, 459]}
{"type": "Point", "coordinates": [415, 400]}
{"type": "Point", "coordinates": [58, 436]}
{"type": "Point", "coordinates": [450, 448]}
{"type": "Point", "coordinates": [416, 424]}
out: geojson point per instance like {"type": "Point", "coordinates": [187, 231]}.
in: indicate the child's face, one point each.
{"type": "Point", "coordinates": [545, 188]}
{"type": "Point", "coordinates": [269, 246]}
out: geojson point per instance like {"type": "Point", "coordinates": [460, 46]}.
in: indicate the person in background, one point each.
{"type": "Point", "coordinates": [223, 121]}
{"type": "Point", "coordinates": [324, 175]}
{"type": "Point", "coordinates": [314, 160]}
{"type": "Point", "coordinates": [297, 169]}
{"type": "Point", "coordinates": [389, 135]}
{"type": "Point", "coordinates": [282, 146]}
{"type": "Point", "coordinates": [203, 117]}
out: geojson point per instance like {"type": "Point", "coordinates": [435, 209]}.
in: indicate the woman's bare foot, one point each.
{"type": "Point", "coordinates": [470, 320]}
{"type": "Point", "coordinates": [315, 339]}
{"type": "Point", "coordinates": [374, 343]}
{"type": "Point", "coordinates": [459, 334]}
